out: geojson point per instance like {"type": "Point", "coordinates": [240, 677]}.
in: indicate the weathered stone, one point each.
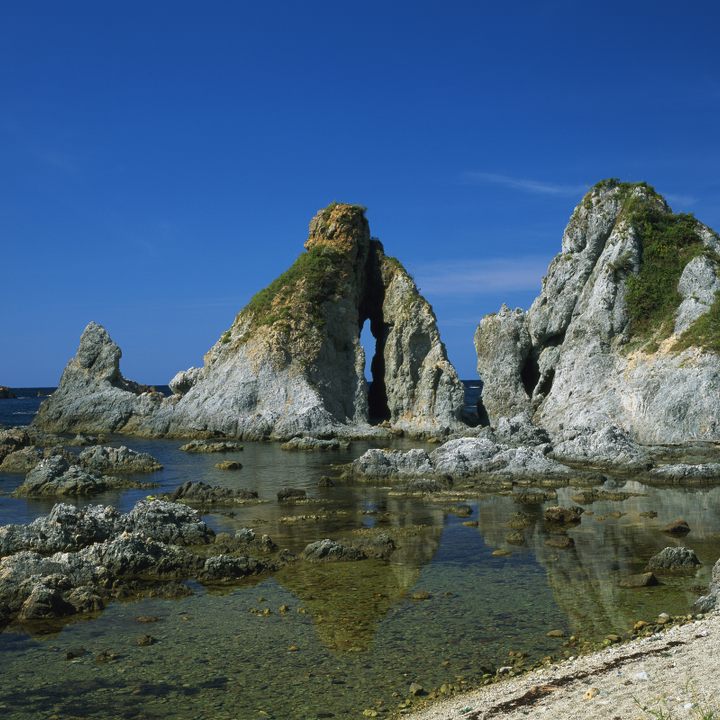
{"type": "Point", "coordinates": [21, 461]}
{"type": "Point", "coordinates": [292, 362]}
{"type": "Point", "coordinates": [646, 579]}
{"type": "Point", "coordinates": [709, 602]}
{"type": "Point", "coordinates": [285, 494]}
{"type": "Point", "coordinates": [211, 446]}
{"type": "Point", "coordinates": [202, 494]}
{"type": "Point", "coordinates": [117, 460]}
{"type": "Point", "coordinates": [55, 476]}
{"type": "Point", "coordinates": [561, 542]}
{"type": "Point", "coordinates": [673, 558]}
{"type": "Point", "coordinates": [677, 527]}
{"type": "Point", "coordinates": [563, 515]}
{"type": "Point", "coordinates": [229, 465]}
{"type": "Point", "coordinates": [330, 550]}
{"type": "Point", "coordinates": [607, 446]}
{"type": "Point", "coordinates": [575, 360]}
{"type": "Point", "coordinates": [311, 444]}
{"type": "Point", "coordinates": [684, 471]}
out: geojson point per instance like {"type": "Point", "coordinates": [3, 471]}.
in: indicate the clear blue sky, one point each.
{"type": "Point", "coordinates": [160, 161]}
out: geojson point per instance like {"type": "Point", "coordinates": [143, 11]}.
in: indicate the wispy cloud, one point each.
{"type": "Point", "coordinates": [682, 200]}
{"type": "Point", "coordinates": [538, 187]}
{"type": "Point", "coordinates": [479, 277]}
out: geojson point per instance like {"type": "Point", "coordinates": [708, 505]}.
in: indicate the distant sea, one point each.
{"type": "Point", "coordinates": [21, 410]}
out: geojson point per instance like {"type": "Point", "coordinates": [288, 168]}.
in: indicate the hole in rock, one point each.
{"type": "Point", "coordinates": [372, 338]}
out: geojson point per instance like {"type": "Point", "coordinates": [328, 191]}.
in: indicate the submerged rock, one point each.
{"type": "Point", "coordinates": [622, 331]}
{"type": "Point", "coordinates": [673, 558]}
{"type": "Point", "coordinates": [292, 362]}
{"type": "Point", "coordinates": [563, 515]}
{"type": "Point", "coordinates": [117, 460]}
{"type": "Point", "coordinates": [290, 494]}
{"type": "Point", "coordinates": [646, 579]}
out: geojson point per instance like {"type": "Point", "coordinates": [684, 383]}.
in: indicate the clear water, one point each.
{"type": "Point", "coordinates": [353, 637]}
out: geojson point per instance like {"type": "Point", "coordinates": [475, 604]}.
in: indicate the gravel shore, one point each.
{"type": "Point", "coordinates": [671, 675]}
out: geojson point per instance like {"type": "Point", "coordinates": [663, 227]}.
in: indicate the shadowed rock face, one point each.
{"type": "Point", "coordinates": [622, 331]}
{"type": "Point", "coordinates": [292, 362]}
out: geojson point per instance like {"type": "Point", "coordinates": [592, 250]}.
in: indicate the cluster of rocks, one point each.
{"type": "Point", "coordinates": [117, 460]}
{"type": "Point", "coordinates": [211, 446]}
{"type": "Point", "coordinates": [75, 559]}
{"type": "Point", "coordinates": [462, 458]}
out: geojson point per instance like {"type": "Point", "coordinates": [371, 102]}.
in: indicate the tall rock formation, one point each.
{"type": "Point", "coordinates": [292, 362]}
{"type": "Point", "coordinates": [625, 331]}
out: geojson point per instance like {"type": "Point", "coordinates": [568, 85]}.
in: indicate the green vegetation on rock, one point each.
{"type": "Point", "coordinates": [312, 279]}
{"type": "Point", "coordinates": [704, 332]}
{"type": "Point", "coordinates": [668, 244]}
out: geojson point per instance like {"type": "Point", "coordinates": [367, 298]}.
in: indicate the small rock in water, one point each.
{"type": "Point", "coordinates": [145, 619]}
{"type": "Point", "coordinates": [229, 465]}
{"type": "Point", "coordinates": [106, 656]}
{"type": "Point", "coordinates": [673, 558]}
{"type": "Point", "coordinates": [461, 510]}
{"type": "Point", "coordinates": [421, 595]}
{"type": "Point", "coordinates": [677, 527]}
{"type": "Point", "coordinates": [417, 689]}
{"type": "Point", "coordinates": [563, 515]}
{"type": "Point", "coordinates": [556, 634]}
{"type": "Point", "coordinates": [326, 482]}
{"type": "Point", "coordinates": [561, 542]}
{"type": "Point", "coordinates": [76, 652]}
{"type": "Point", "coordinates": [501, 552]}
{"type": "Point", "coordinates": [291, 494]}
{"type": "Point", "coordinates": [145, 640]}
{"type": "Point", "coordinates": [646, 579]}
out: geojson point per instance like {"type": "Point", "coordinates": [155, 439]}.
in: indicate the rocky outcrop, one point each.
{"type": "Point", "coordinates": [311, 444]}
{"type": "Point", "coordinates": [56, 476]}
{"type": "Point", "coordinates": [208, 446]}
{"type": "Point", "coordinates": [203, 495]}
{"type": "Point", "coordinates": [75, 560]}
{"type": "Point", "coordinates": [711, 601]}
{"type": "Point", "coordinates": [464, 458]}
{"type": "Point", "coordinates": [604, 447]}
{"type": "Point", "coordinates": [624, 331]}
{"type": "Point", "coordinates": [291, 364]}
{"type": "Point", "coordinates": [6, 393]}
{"type": "Point", "coordinates": [117, 460]}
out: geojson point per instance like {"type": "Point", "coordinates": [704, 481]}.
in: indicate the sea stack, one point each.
{"type": "Point", "coordinates": [626, 329]}
{"type": "Point", "coordinates": [291, 363]}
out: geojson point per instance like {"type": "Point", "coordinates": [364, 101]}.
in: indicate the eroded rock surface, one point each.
{"type": "Point", "coordinates": [623, 331]}
{"type": "Point", "coordinates": [117, 460]}
{"type": "Point", "coordinates": [56, 476]}
{"type": "Point", "coordinates": [291, 364]}
{"type": "Point", "coordinates": [75, 560]}
{"type": "Point", "coordinates": [463, 458]}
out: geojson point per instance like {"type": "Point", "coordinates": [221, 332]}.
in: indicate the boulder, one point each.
{"type": "Point", "coordinates": [56, 476]}
{"type": "Point", "coordinates": [673, 558]}
{"type": "Point", "coordinates": [677, 527]}
{"type": "Point", "coordinates": [605, 446]}
{"type": "Point", "coordinates": [563, 515]}
{"type": "Point", "coordinates": [330, 550]}
{"type": "Point", "coordinates": [621, 334]}
{"type": "Point", "coordinates": [202, 494]}
{"type": "Point", "coordinates": [117, 460]}
{"type": "Point", "coordinates": [646, 579]}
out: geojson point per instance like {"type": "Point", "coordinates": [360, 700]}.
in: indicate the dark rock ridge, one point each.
{"type": "Point", "coordinates": [291, 364]}
{"type": "Point", "coordinates": [76, 559]}
{"type": "Point", "coordinates": [6, 393]}
{"type": "Point", "coordinates": [624, 332]}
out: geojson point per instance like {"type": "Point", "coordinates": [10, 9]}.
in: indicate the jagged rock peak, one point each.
{"type": "Point", "coordinates": [625, 329]}
{"type": "Point", "coordinates": [292, 363]}
{"type": "Point", "coordinates": [339, 226]}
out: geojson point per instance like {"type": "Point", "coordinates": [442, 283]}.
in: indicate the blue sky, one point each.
{"type": "Point", "coordinates": [159, 162]}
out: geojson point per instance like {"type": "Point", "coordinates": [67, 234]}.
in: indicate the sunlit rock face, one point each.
{"type": "Point", "coordinates": [291, 363]}
{"type": "Point", "coordinates": [625, 330]}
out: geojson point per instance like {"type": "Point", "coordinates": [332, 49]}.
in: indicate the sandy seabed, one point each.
{"type": "Point", "coordinates": [667, 676]}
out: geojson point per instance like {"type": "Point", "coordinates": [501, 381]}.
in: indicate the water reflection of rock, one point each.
{"type": "Point", "coordinates": [585, 578]}
{"type": "Point", "coordinates": [347, 600]}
